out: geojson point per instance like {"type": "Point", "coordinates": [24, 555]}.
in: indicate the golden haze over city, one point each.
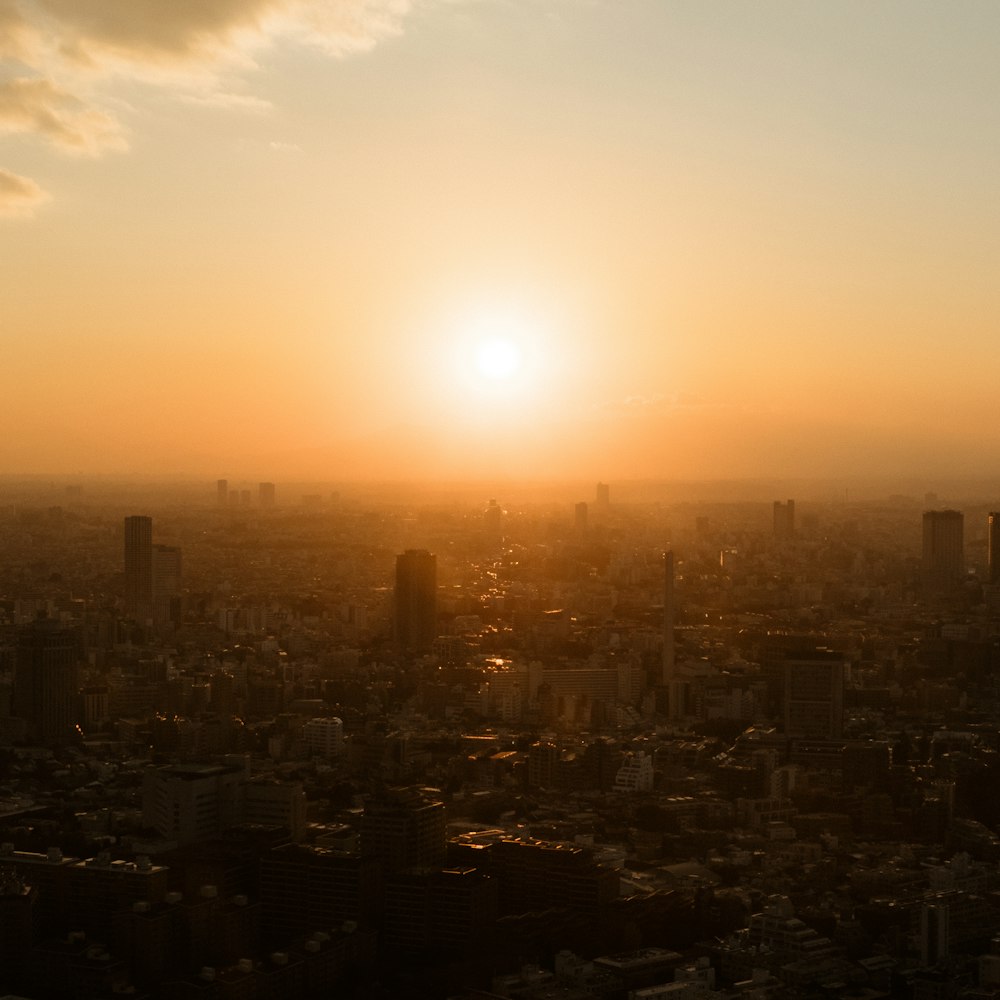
{"type": "Point", "coordinates": [462, 239]}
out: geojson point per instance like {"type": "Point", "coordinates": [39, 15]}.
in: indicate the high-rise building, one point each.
{"type": "Point", "coordinates": [493, 521]}
{"type": "Point", "coordinates": [784, 519]}
{"type": "Point", "coordinates": [222, 492]}
{"type": "Point", "coordinates": [580, 516]}
{"type": "Point", "coordinates": [46, 680]}
{"type": "Point", "coordinates": [603, 496]}
{"type": "Point", "coordinates": [166, 569]}
{"type": "Point", "coordinates": [993, 525]}
{"type": "Point", "coordinates": [415, 599]}
{"type": "Point", "coordinates": [265, 494]}
{"type": "Point", "coordinates": [324, 737]}
{"type": "Point", "coordinates": [139, 567]}
{"type": "Point", "coordinates": [403, 829]}
{"type": "Point", "coordinates": [674, 688]}
{"type": "Point", "coordinates": [814, 694]}
{"type": "Point", "coordinates": [943, 555]}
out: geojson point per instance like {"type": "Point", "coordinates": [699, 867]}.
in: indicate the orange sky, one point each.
{"type": "Point", "coordinates": [265, 237]}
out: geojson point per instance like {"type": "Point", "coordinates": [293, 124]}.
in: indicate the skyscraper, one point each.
{"type": "Point", "coordinates": [415, 599]}
{"type": "Point", "coordinates": [139, 567]}
{"type": "Point", "coordinates": [814, 694]}
{"type": "Point", "coordinates": [46, 680]}
{"type": "Point", "coordinates": [166, 570]}
{"type": "Point", "coordinates": [580, 516]}
{"type": "Point", "coordinates": [602, 496]}
{"type": "Point", "coordinates": [675, 691]}
{"type": "Point", "coordinates": [943, 555]}
{"type": "Point", "coordinates": [265, 494]}
{"type": "Point", "coordinates": [993, 525]}
{"type": "Point", "coordinates": [784, 519]}
{"type": "Point", "coordinates": [222, 492]}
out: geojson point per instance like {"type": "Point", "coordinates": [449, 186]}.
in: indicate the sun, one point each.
{"type": "Point", "coordinates": [498, 358]}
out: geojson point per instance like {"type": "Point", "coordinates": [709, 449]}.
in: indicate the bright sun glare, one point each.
{"type": "Point", "coordinates": [498, 358]}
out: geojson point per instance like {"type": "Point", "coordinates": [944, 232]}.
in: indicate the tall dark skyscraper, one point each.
{"type": "Point", "coordinates": [265, 494]}
{"type": "Point", "coordinates": [222, 492]}
{"type": "Point", "coordinates": [139, 567]}
{"type": "Point", "coordinates": [415, 605]}
{"type": "Point", "coordinates": [943, 557]}
{"type": "Point", "coordinates": [993, 525]}
{"type": "Point", "coordinates": [46, 680]}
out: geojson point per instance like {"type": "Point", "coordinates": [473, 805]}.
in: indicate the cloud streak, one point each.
{"type": "Point", "coordinates": [57, 55]}
{"type": "Point", "coordinates": [19, 195]}
{"type": "Point", "coordinates": [39, 106]}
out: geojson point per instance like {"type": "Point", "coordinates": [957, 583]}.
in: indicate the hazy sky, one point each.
{"type": "Point", "coordinates": [705, 239]}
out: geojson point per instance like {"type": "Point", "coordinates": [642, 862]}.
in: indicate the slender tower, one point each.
{"type": "Point", "coordinates": [670, 681]}
{"type": "Point", "coordinates": [993, 549]}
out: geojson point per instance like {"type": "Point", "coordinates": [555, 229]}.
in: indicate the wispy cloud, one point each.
{"type": "Point", "coordinates": [19, 195]}
{"type": "Point", "coordinates": [39, 106]}
{"type": "Point", "coordinates": [58, 56]}
{"type": "Point", "coordinates": [230, 102]}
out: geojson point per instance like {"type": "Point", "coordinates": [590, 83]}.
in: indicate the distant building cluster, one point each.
{"type": "Point", "coordinates": [477, 747]}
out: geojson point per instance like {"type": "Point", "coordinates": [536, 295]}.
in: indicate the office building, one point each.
{"type": "Point", "coordinates": [993, 542]}
{"type": "Point", "coordinates": [447, 910]}
{"type": "Point", "coordinates": [166, 569]}
{"type": "Point", "coordinates": [415, 599]}
{"type": "Point", "coordinates": [46, 680]}
{"type": "Point", "coordinates": [784, 520]}
{"type": "Point", "coordinates": [580, 516]}
{"type": "Point", "coordinates": [324, 737]}
{"type": "Point", "coordinates": [139, 568]}
{"type": "Point", "coordinates": [603, 496]}
{"type": "Point", "coordinates": [265, 494]}
{"type": "Point", "coordinates": [188, 804]}
{"type": "Point", "coordinates": [403, 829]}
{"type": "Point", "coordinates": [493, 521]}
{"type": "Point", "coordinates": [814, 695]}
{"type": "Point", "coordinates": [222, 492]}
{"type": "Point", "coordinates": [670, 681]}
{"type": "Point", "coordinates": [943, 554]}
{"type": "Point", "coordinates": [304, 888]}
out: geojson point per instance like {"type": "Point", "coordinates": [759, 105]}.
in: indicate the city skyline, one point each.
{"type": "Point", "coordinates": [384, 240]}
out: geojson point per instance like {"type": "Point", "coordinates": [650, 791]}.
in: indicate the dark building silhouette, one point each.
{"type": "Point", "coordinates": [603, 496]}
{"type": "Point", "coordinates": [784, 519]}
{"type": "Point", "coordinates": [265, 494]}
{"type": "Point", "coordinates": [19, 925]}
{"type": "Point", "coordinates": [139, 567]}
{"type": "Point", "coordinates": [993, 526]}
{"type": "Point", "coordinates": [447, 910]}
{"type": "Point", "coordinates": [814, 695]}
{"type": "Point", "coordinates": [415, 604]}
{"type": "Point", "coordinates": [304, 889]}
{"type": "Point", "coordinates": [46, 680]}
{"type": "Point", "coordinates": [943, 554]}
{"type": "Point", "coordinates": [403, 829]}
{"type": "Point", "coordinates": [222, 492]}
{"type": "Point", "coordinates": [580, 516]}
